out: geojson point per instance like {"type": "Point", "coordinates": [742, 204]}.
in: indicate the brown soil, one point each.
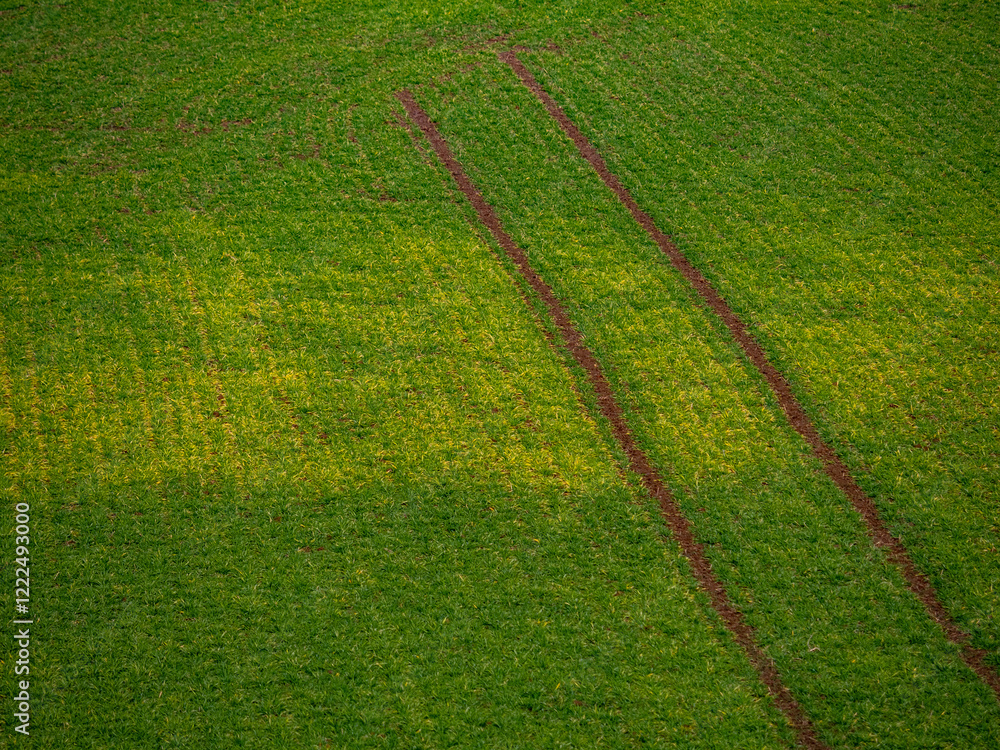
{"type": "Point", "coordinates": [612, 411]}
{"type": "Point", "coordinates": [832, 464]}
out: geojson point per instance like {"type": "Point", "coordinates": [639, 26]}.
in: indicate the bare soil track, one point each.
{"type": "Point", "coordinates": [834, 467]}
{"type": "Point", "coordinates": [611, 410]}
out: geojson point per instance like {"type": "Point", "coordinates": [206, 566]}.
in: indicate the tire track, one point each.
{"type": "Point", "coordinates": [742, 633]}
{"type": "Point", "coordinates": [834, 467]}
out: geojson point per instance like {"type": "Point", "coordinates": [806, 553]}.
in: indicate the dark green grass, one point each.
{"type": "Point", "coordinates": [398, 527]}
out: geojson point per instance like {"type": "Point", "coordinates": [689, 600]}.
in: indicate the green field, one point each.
{"type": "Point", "coordinates": [307, 464]}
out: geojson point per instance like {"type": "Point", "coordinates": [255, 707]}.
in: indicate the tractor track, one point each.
{"type": "Point", "coordinates": [611, 410]}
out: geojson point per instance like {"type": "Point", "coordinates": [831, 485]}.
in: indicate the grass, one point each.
{"type": "Point", "coordinates": [304, 467]}
{"type": "Point", "coordinates": [837, 619]}
{"type": "Point", "coordinates": [878, 310]}
{"type": "Point", "coordinates": [366, 482]}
